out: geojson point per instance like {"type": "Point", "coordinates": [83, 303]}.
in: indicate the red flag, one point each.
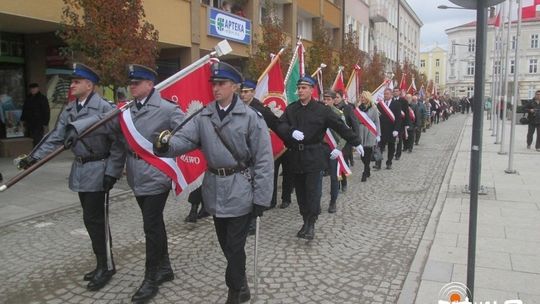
{"type": "Point", "coordinates": [529, 9]}
{"type": "Point", "coordinates": [191, 93]}
{"type": "Point", "coordinates": [412, 88]}
{"type": "Point", "coordinates": [497, 22]}
{"type": "Point", "coordinates": [403, 83]}
{"type": "Point", "coordinates": [339, 84]}
{"type": "Point", "coordinates": [318, 90]}
{"type": "Point", "coordinates": [270, 91]}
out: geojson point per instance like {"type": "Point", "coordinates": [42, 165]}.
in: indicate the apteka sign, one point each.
{"type": "Point", "coordinates": [229, 26]}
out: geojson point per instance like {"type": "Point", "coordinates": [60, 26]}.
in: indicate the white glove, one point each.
{"type": "Point", "coordinates": [335, 154]}
{"type": "Point", "coordinates": [298, 135]}
{"type": "Point", "coordinates": [406, 127]}
{"type": "Point", "coordinates": [378, 139]}
{"type": "Point", "coordinates": [395, 133]}
{"type": "Point", "coordinates": [360, 150]}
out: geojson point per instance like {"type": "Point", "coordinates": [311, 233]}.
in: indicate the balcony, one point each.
{"type": "Point", "coordinates": [378, 11]}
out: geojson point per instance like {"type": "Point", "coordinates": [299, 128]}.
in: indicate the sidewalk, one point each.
{"type": "Point", "coordinates": [508, 234]}
{"type": "Point", "coordinates": [44, 191]}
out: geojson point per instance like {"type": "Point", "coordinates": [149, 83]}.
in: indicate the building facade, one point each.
{"type": "Point", "coordinates": [462, 44]}
{"type": "Point", "coordinates": [433, 65]}
{"type": "Point", "coordinates": [357, 20]}
{"type": "Point", "coordinates": [396, 31]}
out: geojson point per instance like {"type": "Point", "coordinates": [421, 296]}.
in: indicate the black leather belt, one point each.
{"type": "Point", "coordinates": [91, 158]}
{"type": "Point", "coordinates": [226, 171]}
{"type": "Point", "coordinates": [302, 147]}
{"type": "Point", "coordinates": [134, 155]}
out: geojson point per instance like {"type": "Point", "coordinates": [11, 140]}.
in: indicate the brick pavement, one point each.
{"type": "Point", "coordinates": [362, 254]}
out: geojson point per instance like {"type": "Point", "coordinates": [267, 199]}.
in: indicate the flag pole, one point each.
{"type": "Point", "coordinates": [272, 62]}
{"type": "Point", "coordinates": [510, 169]}
{"type": "Point", "coordinates": [295, 54]}
{"type": "Point", "coordinates": [500, 79]}
{"type": "Point", "coordinates": [506, 95]}
{"type": "Point", "coordinates": [495, 89]}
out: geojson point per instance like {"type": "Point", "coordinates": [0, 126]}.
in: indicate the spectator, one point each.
{"type": "Point", "coordinates": [238, 10]}
{"type": "Point", "coordinates": [533, 115]}
{"type": "Point", "coordinates": [225, 6]}
{"type": "Point", "coordinates": [36, 113]}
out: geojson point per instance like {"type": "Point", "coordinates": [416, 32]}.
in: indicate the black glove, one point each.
{"type": "Point", "coordinates": [26, 162]}
{"type": "Point", "coordinates": [70, 138]}
{"type": "Point", "coordinates": [108, 182]}
{"type": "Point", "coordinates": [257, 210]}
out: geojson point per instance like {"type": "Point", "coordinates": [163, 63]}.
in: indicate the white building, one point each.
{"type": "Point", "coordinates": [357, 20]}
{"type": "Point", "coordinates": [462, 45]}
{"type": "Point", "coordinates": [385, 15]}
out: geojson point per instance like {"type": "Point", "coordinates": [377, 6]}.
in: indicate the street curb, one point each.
{"type": "Point", "coordinates": [52, 211]}
{"type": "Point", "coordinates": [414, 277]}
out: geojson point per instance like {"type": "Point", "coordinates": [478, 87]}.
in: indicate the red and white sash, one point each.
{"type": "Point", "coordinates": [411, 114]}
{"type": "Point", "coordinates": [366, 121]}
{"type": "Point", "coordinates": [342, 167]}
{"type": "Point", "coordinates": [143, 148]}
{"type": "Point", "coordinates": [387, 111]}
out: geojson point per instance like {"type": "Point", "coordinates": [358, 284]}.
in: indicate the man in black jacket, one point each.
{"type": "Point", "coordinates": [303, 126]}
{"type": "Point", "coordinates": [36, 113]}
{"type": "Point", "coordinates": [404, 114]}
{"type": "Point", "coordinates": [390, 125]}
{"type": "Point", "coordinates": [533, 115]}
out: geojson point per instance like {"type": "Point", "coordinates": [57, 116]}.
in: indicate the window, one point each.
{"type": "Point", "coordinates": [534, 41]}
{"type": "Point", "coordinates": [452, 70]}
{"type": "Point", "coordinates": [470, 91]}
{"type": "Point", "coordinates": [497, 67]}
{"type": "Point", "coordinates": [512, 66]}
{"type": "Point", "coordinates": [472, 45]}
{"type": "Point", "coordinates": [470, 68]}
{"type": "Point", "coordinates": [497, 43]}
{"type": "Point", "coordinates": [514, 42]}
{"type": "Point", "coordinates": [422, 63]}
{"type": "Point", "coordinates": [453, 47]}
{"type": "Point", "coordinates": [437, 62]}
{"type": "Point", "coordinates": [533, 66]}
{"type": "Point", "coordinates": [436, 77]}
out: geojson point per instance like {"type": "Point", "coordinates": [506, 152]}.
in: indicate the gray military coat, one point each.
{"type": "Point", "coordinates": [368, 139]}
{"type": "Point", "coordinates": [87, 177]}
{"type": "Point", "coordinates": [155, 116]}
{"type": "Point", "coordinates": [245, 131]}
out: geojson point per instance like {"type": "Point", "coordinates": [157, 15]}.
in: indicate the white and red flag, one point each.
{"type": "Point", "coordinates": [342, 167]}
{"type": "Point", "coordinates": [270, 91]}
{"type": "Point", "coordinates": [353, 85]}
{"type": "Point", "coordinates": [412, 88]}
{"type": "Point", "coordinates": [403, 84]}
{"type": "Point", "coordinates": [378, 97]}
{"type": "Point", "coordinates": [318, 91]}
{"type": "Point", "coordinates": [529, 8]}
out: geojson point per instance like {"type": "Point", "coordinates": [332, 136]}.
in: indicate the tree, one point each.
{"type": "Point", "coordinates": [321, 52]}
{"type": "Point", "coordinates": [374, 73]}
{"type": "Point", "coordinates": [107, 35]}
{"type": "Point", "coordinates": [271, 40]}
{"type": "Point", "coordinates": [350, 54]}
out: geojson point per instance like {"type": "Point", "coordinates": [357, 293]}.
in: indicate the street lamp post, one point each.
{"type": "Point", "coordinates": [476, 141]}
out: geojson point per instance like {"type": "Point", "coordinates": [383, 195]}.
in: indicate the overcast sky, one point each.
{"type": "Point", "coordinates": [437, 20]}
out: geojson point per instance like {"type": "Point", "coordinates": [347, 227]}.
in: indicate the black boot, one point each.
{"type": "Point", "coordinates": [302, 232]}
{"type": "Point", "coordinates": [165, 272]}
{"type": "Point", "coordinates": [332, 207]}
{"type": "Point", "coordinates": [202, 213]}
{"type": "Point", "coordinates": [377, 165]}
{"type": "Point", "coordinates": [149, 287]}
{"type": "Point", "coordinates": [364, 177]}
{"type": "Point", "coordinates": [310, 230]}
{"type": "Point", "coordinates": [192, 216]}
{"type": "Point", "coordinates": [368, 172]}
{"type": "Point", "coordinates": [89, 275]}
{"type": "Point", "coordinates": [102, 274]}
{"type": "Point", "coordinates": [238, 296]}
{"type": "Point", "coordinates": [284, 204]}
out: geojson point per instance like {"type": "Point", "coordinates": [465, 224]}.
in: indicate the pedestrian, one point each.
{"type": "Point", "coordinates": [391, 121]}
{"type": "Point", "coordinates": [420, 114]}
{"type": "Point", "coordinates": [427, 115]}
{"type": "Point", "coordinates": [533, 116]}
{"type": "Point", "coordinates": [329, 98]}
{"type": "Point", "coordinates": [369, 140]}
{"type": "Point", "coordinates": [141, 124]}
{"type": "Point", "coordinates": [353, 123]}
{"type": "Point", "coordinates": [410, 130]}
{"type": "Point", "coordinates": [403, 132]}
{"type": "Point", "coordinates": [487, 106]}
{"type": "Point", "coordinates": [36, 114]}
{"type": "Point", "coordinates": [98, 163]}
{"type": "Point", "coordinates": [238, 184]}
{"type": "Point", "coordinates": [303, 126]}
{"type": "Point", "coordinates": [467, 103]}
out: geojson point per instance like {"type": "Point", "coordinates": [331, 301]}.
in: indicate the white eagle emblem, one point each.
{"type": "Point", "coordinates": [193, 107]}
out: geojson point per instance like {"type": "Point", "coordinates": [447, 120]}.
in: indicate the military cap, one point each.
{"type": "Point", "coordinates": [141, 72]}
{"type": "Point", "coordinates": [307, 81]}
{"type": "Point", "coordinates": [225, 71]}
{"type": "Point", "coordinates": [248, 85]}
{"type": "Point", "coordinates": [82, 71]}
{"type": "Point", "coordinates": [330, 93]}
